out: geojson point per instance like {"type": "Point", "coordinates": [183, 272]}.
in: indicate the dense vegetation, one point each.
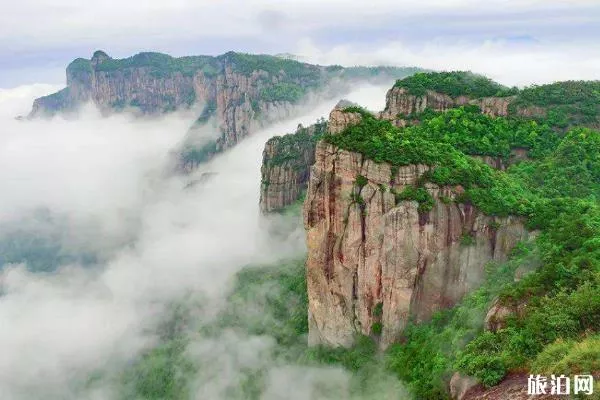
{"type": "Point", "coordinates": [293, 149]}
{"type": "Point", "coordinates": [431, 144]}
{"type": "Point", "coordinates": [560, 104]}
{"type": "Point", "coordinates": [80, 65]}
{"type": "Point", "coordinates": [160, 65]}
{"type": "Point", "coordinates": [558, 190]}
{"type": "Point", "coordinates": [248, 63]}
{"type": "Point", "coordinates": [290, 92]}
{"type": "Point", "coordinates": [563, 104]}
{"type": "Point", "coordinates": [265, 303]}
{"type": "Point", "coordinates": [456, 83]}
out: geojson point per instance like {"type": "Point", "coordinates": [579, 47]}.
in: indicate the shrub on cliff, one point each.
{"type": "Point", "coordinates": [456, 83]}
{"type": "Point", "coordinates": [557, 189]}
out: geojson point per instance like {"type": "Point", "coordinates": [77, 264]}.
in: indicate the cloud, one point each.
{"type": "Point", "coordinates": [157, 241]}
{"type": "Point", "coordinates": [40, 38]}
{"type": "Point", "coordinates": [498, 59]}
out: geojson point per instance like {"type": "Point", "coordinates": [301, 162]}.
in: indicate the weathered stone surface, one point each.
{"type": "Point", "coordinates": [364, 253]}
{"type": "Point", "coordinates": [400, 104]}
{"type": "Point", "coordinates": [498, 313]}
{"type": "Point", "coordinates": [493, 106]}
{"type": "Point", "coordinates": [460, 385]}
{"type": "Point", "coordinates": [513, 387]}
{"type": "Point", "coordinates": [285, 167]}
{"type": "Point", "coordinates": [339, 119]}
{"type": "Point", "coordinates": [496, 317]}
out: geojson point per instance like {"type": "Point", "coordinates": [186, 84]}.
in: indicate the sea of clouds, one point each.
{"type": "Point", "coordinates": [102, 186]}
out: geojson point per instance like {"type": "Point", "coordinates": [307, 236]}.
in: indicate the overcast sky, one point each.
{"type": "Point", "coordinates": [514, 41]}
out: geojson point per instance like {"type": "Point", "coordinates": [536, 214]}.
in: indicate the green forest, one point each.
{"type": "Point", "coordinates": [558, 190]}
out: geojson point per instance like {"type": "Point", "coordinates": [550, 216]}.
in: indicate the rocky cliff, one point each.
{"type": "Point", "coordinates": [561, 104]}
{"type": "Point", "coordinates": [374, 263]}
{"type": "Point", "coordinates": [285, 166]}
{"type": "Point", "coordinates": [238, 92]}
{"type": "Point", "coordinates": [377, 260]}
{"type": "Point", "coordinates": [401, 104]}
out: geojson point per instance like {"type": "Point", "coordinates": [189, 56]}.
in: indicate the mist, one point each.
{"type": "Point", "coordinates": [97, 186]}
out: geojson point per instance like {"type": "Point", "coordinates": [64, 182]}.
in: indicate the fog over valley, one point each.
{"type": "Point", "coordinates": [121, 242]}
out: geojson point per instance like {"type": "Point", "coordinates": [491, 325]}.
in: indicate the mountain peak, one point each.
{"type": "Point", "coordinates": [99, 56]}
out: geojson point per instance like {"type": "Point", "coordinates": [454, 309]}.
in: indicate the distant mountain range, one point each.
{"type": "Point", "coordinates": [239, 92]}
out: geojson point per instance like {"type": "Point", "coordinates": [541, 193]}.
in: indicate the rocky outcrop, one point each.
{"type": "Point", "coordinates": [285, 166]}
{"type": "Point", "coordinates": [516, 155]}
{"type": "Point", "coordinates": [339, 119]}
{"type": "Point", "coordinates": [239, 92]}
{"type": "Point", "coordinates": [366, 253]}
{"type": "Point", "coordinates": [460, 385]}
{"type": "Point", "coordinates": [400, 104]}
{"type": "Point", "coordinates": [513, 387]}
{"type": "Point", "coordinates": [287, 159]}
{"type": "Point", "coordinates": [499, 313]}
{"type": "Point", "coordinates": [496, 316]}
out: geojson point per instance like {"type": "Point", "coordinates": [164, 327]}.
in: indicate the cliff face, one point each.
{"type": "Point", "coordinates": [285, 166]}
{"type": "Point", "coordinates": [400, 104]}
{"type": "Point", "coordinates": [287, 159]}
{"type": "Point", "coordinates": [239, 92]}
{"type": "Point", "coordinates": [372, 261]}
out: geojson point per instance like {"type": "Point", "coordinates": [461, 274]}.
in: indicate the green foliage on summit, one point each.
{"type": "Point", "coordinates": [290, 92]}
{"type": "Point", "coordinates": [563, 104]}
{"type": "Point", "coordinates": [80, 65]}
{"type": "Point", "coordinates": [160, 64]}
{"type": "Point", "coordinates": [557, 189]}
{"type": "Point", "coordinates": [248, 63]}
{"type": "Point", "coordinates": [455, 84]}
{"type": "Point", "coordinates": [438, 142]}
{"type": "Point", "coordinates": [292, 149]}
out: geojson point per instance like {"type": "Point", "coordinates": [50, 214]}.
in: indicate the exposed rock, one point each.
{"type": "Point", "coordinates": [498, 314]}
{"type": "Point", "coordinates": [285, 166]}
{"type": "Point", "coordinates": [362, 253]}
{"type": "Point", "coordinates": [240, 92]}
{"type": "Point", "coordinates": [513, 387]}
{"type": "Point", "coordinates": [493, 106]}
{"type": "Point", "coordinates": [340, 119]}
{"type": "Point", "coordinates": [516, 155]}
{"type": "Point", "coordinates": [400, 104]}
{"type": "Point", "coordinates": [496, 317]}
{"type": "Point", "coordinates": [460, 385]}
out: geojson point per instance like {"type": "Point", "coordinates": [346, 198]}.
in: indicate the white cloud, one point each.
{"type": "Point", "coordinates": [38, 24]}
{"type": "Point", "coordinates": [160, 241]}
{"type": "Point", "coordinates": [499, 60]}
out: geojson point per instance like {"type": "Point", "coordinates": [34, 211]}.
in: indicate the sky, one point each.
{"type": "Point", "coordinates": [517, 42]}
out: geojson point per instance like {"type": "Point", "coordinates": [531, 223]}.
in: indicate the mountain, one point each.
{"type": "Point", "coordinates": [458, 229]}
{"type": "Point", "coordinates": [239, 92]}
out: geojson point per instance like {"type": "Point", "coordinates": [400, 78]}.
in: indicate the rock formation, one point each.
{"type": "Point", "coordinates": [239, 92]}
{"type": "Point", "coordinates": [365, 250]}
{"type": "Point", "coordinates": [400, 104]}
{"type": "Point", "coordinates": [460, 385]}
{"type": "Point", "coordinates": [340, 119]}
{"type": "Point", "coordinates": [374, 263]}
{"type": "Point", "coordinates": [285, 166]}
